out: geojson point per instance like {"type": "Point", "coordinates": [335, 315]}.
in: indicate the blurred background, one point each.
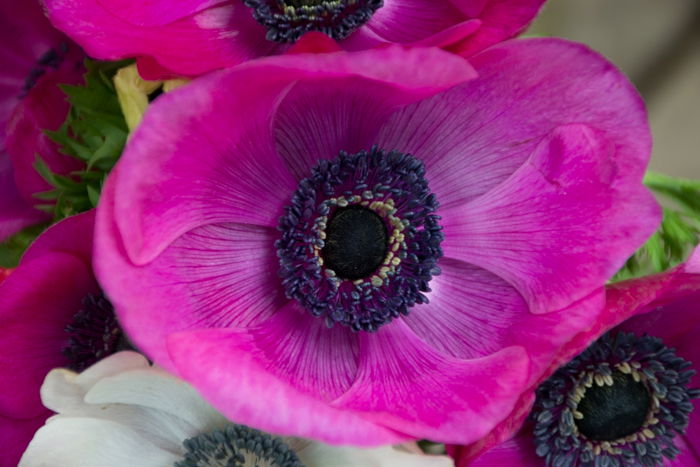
{"type": "Point", "coordinates": [657, 43]}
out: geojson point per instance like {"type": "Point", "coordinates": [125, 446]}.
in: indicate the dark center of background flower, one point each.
{"type": "Point", "coordinates": [615, 411]}
{"type": "Point", "coordinates": [356, 242]}
{"type": "Point", "coordinates": [360, 239]}
{"type": "Point", "coordinates": [94, 333]}
{"type": "Point", "coordinates": [50, 60]}
{"type": "Point", "coordinates": [288, 20]}
{"type": "Point", "coordinates": [237, 446]}
{"type": "Point", "coordinates": [620, 402]}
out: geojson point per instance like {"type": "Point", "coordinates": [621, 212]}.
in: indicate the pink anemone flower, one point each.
{"type": "Point", "coordinates": [193, 37]}
{"type": "Point", "coordinates": [35, 58]}
{"type": "Point", "coordinates": [53, 314]}
{"type": "Point", "coordinates": [376, 246]}
{"type": "Point", "coordinates": [625, 400]}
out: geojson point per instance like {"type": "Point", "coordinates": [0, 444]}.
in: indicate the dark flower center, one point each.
{"type": "Point", "coordinates": [360, 239]}
{"type": "Point", "coordinates": [94, 333]}
{"type": "Point", "coordinates": [356, 242]}
{"type": "Point", "coordinates": [51, 60]}
{"type": "Point", "coordinates": [237, 446]}
{"type": "Point", "coordinates": [615, 411]}
{"type": "Point", "coordinates": [288, 20]}
{"type": "Point", "coordinates": [620, 402]}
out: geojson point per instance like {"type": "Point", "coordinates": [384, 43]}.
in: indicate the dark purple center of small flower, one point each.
{"type": "Point", "coordinates": [237, 446]}
{"type": "Point", "coordinates": [288, 20]}
{"type": "Point", "coordinates": [93, 334]}
{"type": "Point", "coordinates": [356, 242]}
{"type": "Point", "coordinates": [51, 60]}
{"type": "Point", "coordinates": [620, 402]}
{"type": "Point", "coordinates": [360, 239]}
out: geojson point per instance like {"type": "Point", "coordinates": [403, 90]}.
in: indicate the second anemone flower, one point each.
{"type": "Point", "coordinates": [630, 398]}
{"type": "Point", "coordinates": [376, 246]}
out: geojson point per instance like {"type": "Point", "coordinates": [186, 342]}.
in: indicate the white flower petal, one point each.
{"type": "Point", "coordinates": [158, 390]}
{"type": "Point", "coordinates": [88, 442]}
{"type": "Point", "coordinates": [322, 455]}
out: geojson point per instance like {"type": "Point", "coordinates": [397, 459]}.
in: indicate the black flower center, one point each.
{"type": "Point", "coordinates": [360, 239]}
{"type": "Point", "coordinates": [616, 411]}
{"type": "Point", "coordinates": [356, 242]}
{"type": "Point", "coordinates": [237, 446]}
{"type": "Point", "coordinates": [288, 20]}
{"type": "Point", "coordinates": [94, 333]}
{"type": "Point", "coordinates": [620, 402]}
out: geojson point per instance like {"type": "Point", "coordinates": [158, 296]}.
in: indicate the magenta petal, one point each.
{"type": "Point", "coordinates": [15, 435]}
{"type": "Point", "coordinates": [214, 275]}
{"type": "Point", "coordinates": [221, 363]}
{"type": "Point", "coordinates": [213, 38]}
{"type": "Point", "coordinates": [519, 451]}
{"type": "Point", "coordinates": [470, 311]}
{"type": "Point", "coordinates": [305, 353]}
{"type": "Point", "coordinates": [406, 21]}
{"type": "Point", "coordinates": [38, 300]}
{"type": "Point", "coordinates": [561, 225]}
{"type": "Point", "coordinates": [155, 12]}
{"type": "Point", "coordinates": [473, 137]}
{"type": "Point", "coordinates": [406, 385]}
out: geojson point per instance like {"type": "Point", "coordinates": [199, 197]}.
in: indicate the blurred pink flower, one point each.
{"type": "Point", "coordinates": [388, 322]}
{"type": "Point", "coordinates": [35, 59]}
{"type": "Point", "coordinates": [661, 307]}
{"type": "Point", "coordinates": [53, 315]}
{"type": "Point", "coordinates": [196, 36]}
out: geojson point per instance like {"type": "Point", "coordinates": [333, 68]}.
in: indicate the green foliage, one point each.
{"type": "Point", "coordinates": [12, 248]}
{"type": "Point", "coordinates": [679, 232]}
{"type": "Point", "coordinates": [95, 133]}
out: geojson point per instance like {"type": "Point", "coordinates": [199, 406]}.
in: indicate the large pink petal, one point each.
{"type": "Point", "coordinates": [72, 235]}
{"type": "Point", "coordinates": [216, 37]}
{"type": "Point", "coordinates": [519, 451]}
{"type": "Point", "coordinates": [215, 275]}
{"type": "Point", "coordinates": [475, 136]}
{"type": "Point", "coordinates": [406, 385]}
{"type": "Point", "coordinates": [156, 12]}
{"type": "Point", "coordinates": [301, 350]}
{"type": "Point", "coordinates": [38, 300]}
{"type": "Point", "coordinates": [501, 19]}
{"type": "Point", "coordinates": [15, 435]}
{"type": "Point", "coordinates": [470, 311]}
{"type": "Point", "coordinates": [208, 150]}
{"type": "Point", "coordinates": [561, 225]}
{"type": "Point", "coordinates": [220, 364]}
{"type": "Point", "coordinates": [406, 21]}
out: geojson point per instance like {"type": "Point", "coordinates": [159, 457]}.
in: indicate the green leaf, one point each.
{"type": "Point", "coordinates": [95, 133]}
{"type": "Point", "coordinates": [679, 232]}
{"type": "Point", "coordinates": [11, 249]}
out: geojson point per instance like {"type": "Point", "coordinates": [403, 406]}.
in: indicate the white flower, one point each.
{"type": "Point", "coordinates": [124, 412]}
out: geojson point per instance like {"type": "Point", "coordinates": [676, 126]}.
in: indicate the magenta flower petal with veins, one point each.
{"type": "Point", "coordinates": [380, 245]}
{"type": "Point", "coordinates": [52, 289]}
{"type": "Point", "coordinates": [35, 59]}
{"type": "Point", "coordinates": [193, 37]}
{"type": "Point", "coordinates": [664, 306]}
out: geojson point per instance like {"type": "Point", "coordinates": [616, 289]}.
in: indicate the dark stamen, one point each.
{"type": "Point", "coordinates": [237, 446]}
{"type": "Point", "coordinates": [94, 333]}
{"type": "Point", "coordinates": [288, 20]}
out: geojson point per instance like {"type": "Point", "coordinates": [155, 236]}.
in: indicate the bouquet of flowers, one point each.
{"type": "Point", "coordinates": [312, 233]}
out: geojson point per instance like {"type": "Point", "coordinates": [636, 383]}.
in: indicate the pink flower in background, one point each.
{"type": "Point", "coordinates": [652, 421]}
{"type": "Point", "coordinates": [52, 315]}
{"type": "Point", "coordinates": [374, 246]}
{"type": "Point", "coordinates": [35, 59]}
{"type": "Point", "coordinates": [196, 36]}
